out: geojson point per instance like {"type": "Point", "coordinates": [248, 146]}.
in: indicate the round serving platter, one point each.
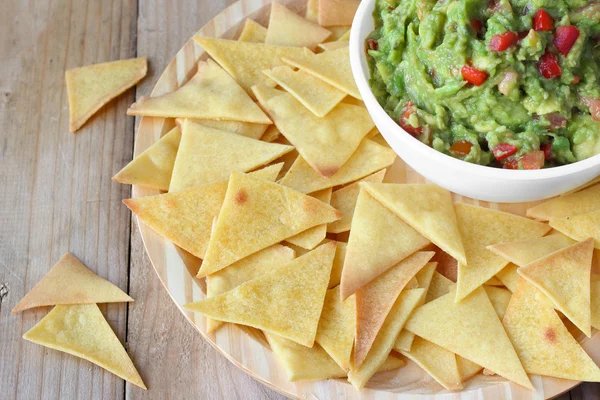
{"type": "Point", "coordinates": [246, 347]}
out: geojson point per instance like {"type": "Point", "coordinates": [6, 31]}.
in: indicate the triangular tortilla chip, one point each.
{"type": "Point", "coordinates": [378, 240]}
{"type": "Point", "coordinates": [471, 329]}
{"type": "Point", "coordinates": [568, 205]}
{"type": "Point", "coordinates": [580, 227]}
{"type": "Point", "coordinates": [286, 28]}
{"type": "Point", "coordinates": [330, 141]}
{"type": "Point", "coordinates": [310, 238]}
{"type": "Point", "coordinates": [201, 158]}
{"type": "Point", "coordinates": [493, 281]}
{"type": "Point", "coordinates": [253, 32]}
{"type": "Point", "coordinates": [336, 327]}
{"type": "Point", "coordinates": [500, 298]}
{"type": "Point", "coordinates": [246, 61]}
{"type": "Point", "coordinates": [404, 341]}
{"type": "Point", "coordinates": [312, 10]}
{"type": "Point", "coordinates": [397, 317]}
{"type": "Point", "coordinates": [564, 276]}
{"type": "Point", "coordinates": [436, 361]}
{"type": "Point", "coordinates": [368, 158]}
{"type": "Point", "coordinates": [271, 134]}
{"type": "Point", "coordinates": [345, 36]}
{"type": "Point", "coordinates": [466, 368]}
{"type": "Point", "coordinates": [319, 97]}
{"type": "Point", "coordinates": [481, 227]}
{"type": "Point", "coordinates": [210, 94]}
{"type": "Point", "coordinates": [338, 44]}
{"type": "Point", "coordinates": [375, 300]}
{"type": "Point", "coordinates": [427, 208]}
{"type": "Point", "coordinates": [595, 300]}
{"type": "Point", "coordinates": [257, 206]}
{"type": "Point", "coordinates": [71, 282]}
{"type": "Point", "coordinates": [81, 330]}
{"type": "Point", "coordinates": [344, 199]}
{"type": "Point", "coordinates": [253, 266]}
{"type": "Point", "coordinates": [270, 302]}
{"type": "Point", "coordinates": [544, 345]}
{"type": "Point", "coordinates": [186, 217]}
{"type": "Point", "coordinates": [440, 286]}
{"type": "Point", "coordinates": [526, 251]}
{"type": "Point", "coordinates": [331, 66]}
{"type": "Point", "coordinates": [391, 363]}
{"type": "Point", "coordinates": [338, 264]}
{"type": "Point", "coordinates": [337, 12]}
{"type": "Point", "coordinates": [91, 87]}
{"type": "Point", "coordinates": [509, 276]}
{"type": "Point", "coordinates": [338, 32]}
{"type": "Point", "coordinates": [584, 186]}
{"type": "Point", "coordinates": [248, 129]}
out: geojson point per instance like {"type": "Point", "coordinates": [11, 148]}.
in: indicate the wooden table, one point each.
{"type": "Point", "coordinates": [56, 196]}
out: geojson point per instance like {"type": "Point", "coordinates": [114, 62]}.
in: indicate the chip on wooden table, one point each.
{"type": "Point", "coordinates": [70, 282]}
{"type": "Point", "coordinates": [248, 129]}
{"type": "Point", "coordinates": [526, 251]}
{"type": "Point", "coordinates": [467, 369]}
{"type": "Point", "coordinates": [499, 297]}
{"type": "Point", "coordinates": [580, 227]}
{"type": "Point", "coordinates": [337, 12]}
{"type": "Point", "coordinates": [509, 276]}
{"type": "Point", "coordinates": [91, 87]}
{"type": "Point", "coordinates": [568, 205]}
{"type": "Point", "coordinates": [253, 32]}
{"type": "Point", "coordinates": [310, 238]}
{"type": "Point", "coordinates": [286, 28]}
{"type": "Point", "coordinates": [82, 330]}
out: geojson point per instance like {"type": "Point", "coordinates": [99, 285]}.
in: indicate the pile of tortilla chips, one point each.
{"type": "Point", "coordinates": [275, 178]}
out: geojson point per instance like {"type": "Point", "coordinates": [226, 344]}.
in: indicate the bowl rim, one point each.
{"type": "Point", "coordinates": [357, 56]}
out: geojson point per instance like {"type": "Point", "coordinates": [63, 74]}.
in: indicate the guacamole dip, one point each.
{"type": "Point", "coordinates": [512, 84]}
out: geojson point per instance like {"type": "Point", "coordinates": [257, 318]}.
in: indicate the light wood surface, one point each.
{"type": "Point", "coordinates": [57, 196]}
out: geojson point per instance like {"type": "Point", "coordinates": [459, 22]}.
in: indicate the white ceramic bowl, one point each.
{"type": "Point", "coordinates": [476, 181]}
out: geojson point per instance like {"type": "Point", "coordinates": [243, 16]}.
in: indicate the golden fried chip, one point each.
{"type": "Point", "coordinates": [378, 240]}
{"type": "Point", "coordinates": [208, 155]}
{"type": "Point", "coordinates": [312, 10]}
{"type": "Point", "coordinates": [471, 329]}
{"type": "Point", "coordinates": [584, 186]}
{"type": "Point", "coordinates": [271, 134]}
{"type": "Point", "coordinates": [509, 276]}
{"type": "Point", "coordinates": [81, 330]}
{"type": "Point", "coordinates": [595, 300]}
{"type": "Point", "coordinates": [344, 199]}
{"type": "Point", "coordinates": [375, 300]}
{"type": "Point", "coordinates": [345, 36]}
{"type": "Point", "coordinates": [367, 159]}
{"type": "Point", "coordinates": [248, 129]}
{"type": "Point", "coordinates": [580, 227]}
{"type": "Point", "coordinates": [253, 266]}
{"type": "Point", "coordinates": [186, 217]}
{"type": "Point", "coordinates": [481, 227]}
{"type": "Point", "coordinates": [286, 28]}
{"type": "Point", "coordinates": [564, 276]}
{"type": "Point", "coordinates": [499, 298]}
{"type": "Point", "coordinates": [338, 264]}
{"type": "Point", "coordinates": [439, 286]}
{"type": "Point", "coordinates": [332, 139]}
{"type": "Point", "coordinates": [270, 302]}
{"type": "Point", "coordinates": [338, 32]}
{"type": "Point", "coordinates": [91, 87]}
{"type": "Point", "coordinates": [427, 208]}
{"type": "Point", "coordinates": [397, 317]}
{"type": "Point", "coordinates": [319, 97]}
{"type": "Point", "coordinates": [153, 168]}
{"type": "Point", "coordinates": [70, 282]}
{"type": "Point", "coordinates": [466, 368]}
{"type": "Point", "coordinates": [210, 94]}
{"type": "Point", "coordinates": [310, 238]}
{"type": "Point", "coordinates": [253, 32]}
{"type": "Point", "coordinates": [493, 281]}
{"type": "Point", "coordinates": [391, 363]}
{"type": "Point", "coordinates": [332, 67]}
{"type": "Point", "coordinates": [526, 251]}
{"type": "Point", "coordinates": [338, 44]}
{"type": "Point", "coordinates": [543, 344]}
{"type": "Point", "coordinates": [568, 205]}
{"type": "Point", "coordinates": [337, 12]}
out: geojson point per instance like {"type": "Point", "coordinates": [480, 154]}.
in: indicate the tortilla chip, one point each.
{"type": "Point", "coordinates": [493, 281]}
{"type": "Point", "coordinates": [81, 330]}
{"type": "Point", "coordinates": [440, 286]}
{"type": "Point", "coordinates": [253, 266]}
{"type": "Point", "coordinates": [91, 87]}
{"type": "Point", "coordinates": [339, 32]}
{"type": "Point", "coordinates": [332, 67]}
{"type": "Point", "coordinates": [201, 158]}
{"type": "Point", "coordinates": [378, 241]}
{"type": "Point", "coordinates": [375, 300]}
{"type": "Point", "coordinates": [526, 251]}
{"type": "Point", "coordinates": [336, 327]}
{"type": "Point", "coordinates": [270, 302]}
{"type": "Point", "coordinates": [471, 329]}
{"type": "Point", "coordinates": [253, 32]}
{"type": "Point", "coordinates": [319, 97]}
{"type": "Point", "coordinates": [271, 134]}
{"type": "Point", "coordinates": [595, 300]}
{"type": "Point", "coordinates": [509, 276]}
{"type": "Point", "coordinates": [544, 345]}
{"type": "Point", "coordinates": [397, 317]}
{"type": "Point", "coordinates": [210, 94]}
{"type": "Point", "coordinates": [466, 369]}
{"type": "Point", "coordinates": [303, 363]}
{"type": "Point", "coordinates": [254, 205]}
{"type": "Point", "coordinates": [500, 298]}
{"type": "Point", "coordinates": [427, 208]}
{"type": "Point", "coordinates": [584, 186]}
{"type": "Point", "coordinates": [568, 205]}
{"type": "Point", "coordinates": [245, 61]}
{"type": "Point", "coordinates": [186, 217]}
{"type": "Point", "coordinates": [337, 12]}
{"type": "Point", "coordinates": [248, 129]}
{"type": "Point", "coordinates": [367, 159]}
{"type": "Point", "coordinates": [338, 264]}
{"type": "Point", "coordinates": [286, 28]}
{"type": "Point", "coordinates": [332, 140]}
{"type": "Point", "coordinates": [436, 361]}
{"type": "Point", "coordinates": [70, 282]}
{"type": "Point", "coordinates": [153, 168]}
{"type": "Point", "coordinates": [580, 227]}
{"type": "Point", "coordinates": [564, 276]}
{"type": "Point", "coordinates": [310, 238]}
{"type": "Point", "coordinates": [338, 44]}
{"type": "Point", "coordinates": [344, 199]}
{"type": "Point", "coordinates": [481, 227]}
{"type": "Point", "coordinates": [312, 10]}
{"type": "Point", "coordinates": [392, 363]}
{"type": "Point", "coordinates": [345, 36]}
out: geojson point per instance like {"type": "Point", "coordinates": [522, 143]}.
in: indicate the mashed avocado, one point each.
{"type": "Point", "coordinates": [513, 84]}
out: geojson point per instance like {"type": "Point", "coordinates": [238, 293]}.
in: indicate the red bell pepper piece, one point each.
{"type": "Point", "coordinates": [504, 150]}
{"type": "Point", "coordinates": [542, 21]}
{"type": "Point", "coordinates": [473, 75]}
{"type": "Point", "coordinates": [548, 66]}
{"type": "Point", "coordinates": [503, 41]}
{"type": "Point", "coordinates": [564, 38]}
